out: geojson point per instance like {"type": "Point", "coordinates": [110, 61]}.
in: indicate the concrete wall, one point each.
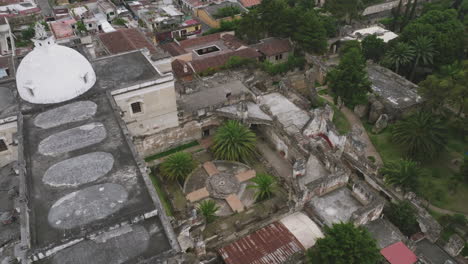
{"type": "Point", "coordinates": [173, 137]}
{"type": "Point", "coordinates": [7, 132]}
{"type": "Point", "coordinates": [159, 109]}
{"type": "Point", "coordinates": [330, 183]}
{"type": "Point", "coordinates": [214, 23]}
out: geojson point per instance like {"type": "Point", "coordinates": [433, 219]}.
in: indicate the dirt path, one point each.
{"type": "Point", "coordinates": [353, 119]}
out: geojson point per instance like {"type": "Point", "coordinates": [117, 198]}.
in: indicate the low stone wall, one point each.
{"type": "Point", "coordinates": [173, 137]}
{"type": "Point", "coordinates": [328, 184]}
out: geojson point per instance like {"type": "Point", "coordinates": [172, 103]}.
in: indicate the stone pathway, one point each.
{"type": "Point", "coordinates": [280, 164]}
{"type": "Point", "coordinates": [353, 119]}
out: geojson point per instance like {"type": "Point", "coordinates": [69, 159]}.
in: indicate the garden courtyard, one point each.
{"type": "Point", "coordinates": [196, 181]}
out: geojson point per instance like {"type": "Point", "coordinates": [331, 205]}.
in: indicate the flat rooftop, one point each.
{"type": "Point", "coordinates": [8, 181]}
{"type": "Point", "coordinates": [432, 252]}
{"type": "Point", "coordinates": [123, 70]}
{"type": "Point", "coordinates": [81, 173]}
{"type": "Point", "coordinates": [398, 92]}
{"type": "Point", "coordinates": [384, 232]}
{"type": "Point", "coordinates": [211, 96]}
{"type": "Point", "coordinates": [335, 206]}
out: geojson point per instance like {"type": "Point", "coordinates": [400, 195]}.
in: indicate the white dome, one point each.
{"type": "Point", "coordinates": [53, 73]}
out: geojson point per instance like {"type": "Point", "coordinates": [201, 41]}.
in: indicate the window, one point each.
{"type": "Point", "coordinates": [3, 146]}
{"type": "Point", "coordinates": [136, 107]}
{"type": "Point", "coordinates": [90, 25]}
{"type": "Point", "coordinates": [207, 50]}
{"type": "Point", "coordinates": [279, 57]}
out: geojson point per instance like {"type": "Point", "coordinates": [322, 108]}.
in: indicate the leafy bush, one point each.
{"type": "Point", "coordinates": [403, 216]}
{"type": "Point", "coordinates": [234, 141]}
{"type": "Point", "coordinates": [119, 21]}
{"type": "Point", "coordinates": [292, 63]}
{"type": "Point", "coordinates": [208, 209]}
{"type": "Point", "coordinates": [227, 11]}
{"type": "Point", "coordinates": [178, 166]}
{"type": "Point", "coordinates": [264, 185]}
{"type": "Point", "coordinates": [208, 72]}
{"type": "Point", "coordinates": [236, 62]}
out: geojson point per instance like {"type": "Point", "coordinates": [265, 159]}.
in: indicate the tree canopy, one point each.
{"type": "Point", "coordinates": [234, 141]}
{"type": "Point", "coordinates": [345, 243]}
{"type": "Point", "coordinates": [403, 173]}
{"type": "Point", "coordinates": [373, 48]}
{"type": "Point", "coordinates": [422, 135]}
{"type": "Point", "coordinates": [349, 79]}
{"type": "Point", "coordinates": [403, 215]}
{"type": "Point", "coordinates": [178, 166]}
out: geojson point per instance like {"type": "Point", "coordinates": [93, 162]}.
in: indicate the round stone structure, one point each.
{"type": "Point", "coordinates": [222, 184]}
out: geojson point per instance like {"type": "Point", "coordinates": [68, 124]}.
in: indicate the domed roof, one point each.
{"type": "Point", "coordinates": [53, 73]}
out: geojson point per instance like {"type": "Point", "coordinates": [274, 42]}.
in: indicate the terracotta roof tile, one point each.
{"type": "Point", "coordinates": [173, 49]}
{"type": "Point", "coordinates": [220, 60]}
{"type": "Point", "coordinates": [199, 40]}
{"type": "Point", "coordinates": [178, 68]}
{"type": "Point", "coordinates": [274, 46]}
{"type": "Point", "coordinates": [124, 40]}
{"type": "Point", "coordinates": [249, 3]}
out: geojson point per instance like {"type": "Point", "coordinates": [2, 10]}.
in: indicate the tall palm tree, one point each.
{"type": "Point", "coordinates": [422, 135]}
{"type": "Point", "coordinates": [234, 141]}
{"type": "Point", "coordinates": [424, 51]}
{"type": "Point", "coordinates": [400, 55]}
{"type": "Point", "coordinates": [403, 173]}
{"type": "Point", "coordinates": [208, 209]}
{"type": "Point", "coordinates": [178, 166]}
{"type": "Point", "coordinates": [264, 185]}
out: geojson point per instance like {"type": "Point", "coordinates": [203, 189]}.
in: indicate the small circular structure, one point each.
{"type": "Point", "coordinates": [222, 184]}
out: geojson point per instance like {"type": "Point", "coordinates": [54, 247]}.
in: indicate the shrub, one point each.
{"type": "Point", "coordinates": [178, 166]}
{"type": "Point", "coordinates": [292, 63]}
{"type": "Point", "coordinates": [227, 11]}
{"type": "Point", "coordinates": [264, 185]}
{"type": "Point", "coordinates": [208, 209]}
{"type": "Point", "coordinates": [234, 141]}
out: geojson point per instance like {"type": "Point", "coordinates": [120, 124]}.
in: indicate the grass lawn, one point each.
{"type": "Point", "coordinates": [439, 187]}
{"type": "Point", "coordinates": [340, 121]}
{"type": "Point", "coordinates": [162, 195]}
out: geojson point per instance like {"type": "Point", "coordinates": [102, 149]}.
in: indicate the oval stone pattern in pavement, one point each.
{"type": "Point", "coordinates": [87, 205]}
{"type": "Point", "coordinates": [73, 139]}
{"type": "Point", "coordinates": [120, 246]}
{"type": "Point", "coordinates": [78, 170]}
{"type": "Point", "coordinates": [66, 114]}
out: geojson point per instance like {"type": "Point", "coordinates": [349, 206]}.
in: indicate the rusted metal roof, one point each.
{"type": "Point", "coordinates": [273, 244]}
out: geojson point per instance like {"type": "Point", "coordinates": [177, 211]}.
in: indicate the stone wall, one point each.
{"type": "Point", "coordinates": [7, 134]}
{"type": "Point", "coordinates": [373, 204]}
{"type": "Point", "coordinates": [327, 184]}
{"type": "Point", "coordinates": [173, 137]}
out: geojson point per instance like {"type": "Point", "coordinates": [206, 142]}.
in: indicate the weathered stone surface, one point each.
{"type": "Point", "coordinates": [71, 172]}
{"type": "Point", "coordinates": [376, 110]}
{"type": "Point", "coordinates": [455, 245]}
{"type": "Point", "coordinates": [87, 205]}
{"type": "Point", "coordinates": [73, 139]}
{"type": "Point", "coordinates": [381, 124]}
{"type": "Point", "coordinates": [66, 114]}
{"type": "Point", "coordinates": [361, 110]}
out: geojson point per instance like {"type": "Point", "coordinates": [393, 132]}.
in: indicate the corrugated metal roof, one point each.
{"type": "Point", "coordinates": [273, 244]}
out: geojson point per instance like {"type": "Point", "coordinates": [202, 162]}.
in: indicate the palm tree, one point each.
{"type": "Point", "coordinates": [424, 51]}
{"type": "Point", "coordinates": [264, 185]}
{"type": "Point", "coordinates": [234, 141]}
{"type": "Point", "coordinates": [421, 135]}
{"type": "Point", "coordinates": [401, 54]}
{"type": "Point", "coordinates": [208, 209]}
{"type": "Point", "coordinates": [178, 166]}
{"type": "Point", "coordinates": [403, 173]}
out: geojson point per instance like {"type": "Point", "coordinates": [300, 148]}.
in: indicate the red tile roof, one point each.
{"type": "Point", "coordinates": [124, 40]}
{"type": "Point", "coordinates": [249, 3]}
{"type": "Point", "coordinates": [178, 68]}
{"type": "Point", "coordinates": [219, 60]}
{"type": "Point", "coordinates": [199, 40]}
{"type": "Point", "coordinates": [274, 46]}
{"type": "Point", "coordinates": [399, 253]}
{"type": "Point", "coordinates": [173, 49]}
{"type": "Point", "coordinates": [273, 244]}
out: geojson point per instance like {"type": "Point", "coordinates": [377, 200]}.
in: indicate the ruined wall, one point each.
{"type": "Point", "coordinates": [8, 131]}
{"type": "Point", "coordinates": [147, 145]}
{"type": "Point", "coordinates": [327, 184]}
{"type": "Point", "coordinates": [373, 204]}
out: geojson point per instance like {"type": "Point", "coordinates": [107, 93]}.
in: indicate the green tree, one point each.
{"type": "Point", "coordinates": [277, 18]}
{"type": "Point", "coordinates": [178, 166]}
{"type": "Point", "coordinates": [403, 173]}
{"type": "Point", "coordinates": [264, 185]}
{"type": "Point", "coordinates": [345, 243]}
{"type": "Point", "coordinates": [435, 91]}
{"type": "Point", "coordinates": [400, 55]}
{"type": "Point", "coordinates": [330, 24]}
{"type": "Point", "coordinates": [464, 170]}
{"type": "Point", "coordinates": [234, 141]}
{"type": "Point", "coordinates": [403, 215]}
{"type": "Point", "coordinates": [80, 26]}
{"type": "Point", "coordinates": [444, 29]}
{"type": "Point", "coordinates": [208, 209]}
{"type": "Point", "coordinates": [349, 79]}
{"type": "Point", "coordinates": [373, 48]}
{"type": "Point", "coordinates": [344, 9]}
{"type": "Point", "coordinates": [422, 135]}
{"type": "Point", "coordinates": [424, 52]}
{"type": "Point", "coordinates": [349, 44]}
{"type": "Point", "coordinates": [249, 27]}
{"type": "Point", "coordinates": [310, 34]}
